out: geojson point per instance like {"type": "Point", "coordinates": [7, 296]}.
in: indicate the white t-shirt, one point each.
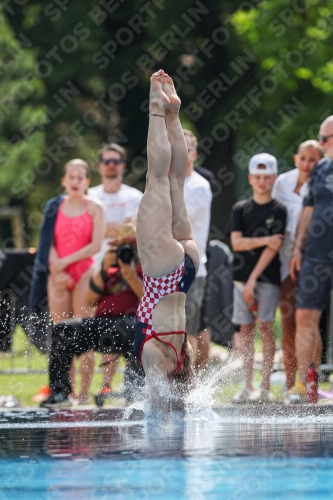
{"type": "Point", "coordinates": [198, 198]}
{"type": "Point", "coordinates": [284, 192]}
{"type": "Point", "coordinates": [120, 205]}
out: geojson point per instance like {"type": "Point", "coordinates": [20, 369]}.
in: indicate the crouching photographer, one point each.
{"type": "Point", "coordinates": [115, 289]}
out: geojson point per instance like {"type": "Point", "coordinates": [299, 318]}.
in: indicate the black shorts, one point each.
{"type": "Point", "coordinates": [314, 284]}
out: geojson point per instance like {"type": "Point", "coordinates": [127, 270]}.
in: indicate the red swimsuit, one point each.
{"type": "Point", "coordinates": [70, 235]}
{"type": "Point", "coordinates": [179, 280]}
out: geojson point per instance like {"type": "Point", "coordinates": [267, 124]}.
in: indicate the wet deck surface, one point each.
{"type": "Point", "coordinates": [21, 418]}
{"type": "Point", "coordinates": [253, 452]}
{"type": "Point", "coordinates": [300, 430]}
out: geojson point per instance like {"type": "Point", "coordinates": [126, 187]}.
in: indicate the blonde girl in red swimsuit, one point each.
{"type": "Point", "coordinates": [78, 235]}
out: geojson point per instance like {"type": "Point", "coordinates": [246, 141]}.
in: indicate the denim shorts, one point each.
{"type": "Point", "coordinates": [267, 296]}
{"type": "Point", "coordinates": [314, 283]}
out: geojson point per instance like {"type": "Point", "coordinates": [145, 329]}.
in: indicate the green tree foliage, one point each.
{"type": "Point", "coordinates": [294, 73]}
{"type": "Point", "coordinates": [22, 143]}
{"type": "Point", "coordinates": [96, 59]}
{"type": "Point", "coordinates": [252, 76]}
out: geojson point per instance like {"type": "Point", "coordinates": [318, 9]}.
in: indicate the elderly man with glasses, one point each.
{"type": "Point", "coordinates": [312, 262]}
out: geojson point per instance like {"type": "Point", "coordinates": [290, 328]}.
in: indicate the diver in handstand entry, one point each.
{"type": "Point", "coordinates": [168, 254]}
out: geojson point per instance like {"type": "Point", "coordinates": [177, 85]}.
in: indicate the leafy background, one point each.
{"type": "Point", "coordinates": [76, 74]}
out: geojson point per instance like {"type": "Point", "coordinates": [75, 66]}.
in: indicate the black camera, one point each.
{"type": "Point", "coordinates": [125, 253]}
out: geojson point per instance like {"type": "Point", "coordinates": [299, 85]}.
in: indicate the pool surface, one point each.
{"type": "Point", "coordinates": [229, 454]}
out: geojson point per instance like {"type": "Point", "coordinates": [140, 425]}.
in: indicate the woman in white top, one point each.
{"type": "Point", "coordinates": [289, 189]}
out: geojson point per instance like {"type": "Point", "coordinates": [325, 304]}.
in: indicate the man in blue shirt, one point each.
{"type": "Point", "coordinates": [312, 261]}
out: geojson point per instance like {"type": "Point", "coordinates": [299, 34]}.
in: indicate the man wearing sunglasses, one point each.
{"type": "Point", "coordinates": [121, 204]}
{"type": "Point", "coordinates": [312, 261]}
{"type": "Point", "coordinates": [120, 201]}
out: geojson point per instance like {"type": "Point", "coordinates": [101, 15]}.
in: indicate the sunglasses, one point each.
{"type": "Point", "coordinates": [324, 138]}
{"type": "Point", "coordinates": [111, 160]}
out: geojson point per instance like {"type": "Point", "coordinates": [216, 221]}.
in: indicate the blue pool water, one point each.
{"type": "Point", "coordinates": [211, 457]}
{"type": "Point", "coordinates": [165, 479]}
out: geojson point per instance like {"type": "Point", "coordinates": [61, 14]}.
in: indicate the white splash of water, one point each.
{"type": "Point", "coordinates": [200, 399]}
{"type": "Point", "coordinates": [136, 406]}
{"type": "Point", "coordinates": [162, 402]}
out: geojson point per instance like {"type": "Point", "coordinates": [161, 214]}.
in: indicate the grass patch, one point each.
{"type": "Point", "coordinates": [25, 356]}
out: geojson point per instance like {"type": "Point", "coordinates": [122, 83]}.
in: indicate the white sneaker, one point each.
{"type": "Point", "coordinates": [261, 396]}
{"type": "Point", "coordinates": [242, 396]}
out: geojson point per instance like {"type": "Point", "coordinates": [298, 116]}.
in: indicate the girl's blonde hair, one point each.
{"type": "Point", "coordinates": [77, 162]}
{"type": "Point", "coordinates": [311, 143]}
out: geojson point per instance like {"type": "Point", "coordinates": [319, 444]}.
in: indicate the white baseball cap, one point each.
{"type": "Point", "coordinates": [262, 164]}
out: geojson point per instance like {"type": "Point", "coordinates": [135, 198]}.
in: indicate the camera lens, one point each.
{"type": "Point", "coordinates": [125, 253]}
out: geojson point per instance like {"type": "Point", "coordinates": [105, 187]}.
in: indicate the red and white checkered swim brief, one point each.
{"type": "Point", "coordinates": [179, 280]}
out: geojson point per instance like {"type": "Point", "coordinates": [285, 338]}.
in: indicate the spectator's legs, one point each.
{"type": "Point", "coordinates": [80, 307]}
{"type": "Point", "coordinates": [247, 333]}
{"type": "Point", "coordinates": [134, 378]}
{"type": "Point", "coordinates": [308, 341]}
{"type": "Point", "coordinates": [236, 345]}
{"type": "Point", "coordinates": [318, 351]}
{"type": "Point", "coordinates": [59, 299]}
{"type": "Point", "coordinates": [204, 337]}
{"type": "Point", "coordinates": [76, 337]}
{"type": "Point", "coordinates": [87, 365]}
{"type": "Point", "coordinates": [82, 310]}
{"type": "Point", "coordinates": [110, 368]}
{"type": "Point", "coordinates": [68, 339]}
{"type": "Point", "coordinates": [193, 306]}
{"type": "Point", "coordinates": [65, 304]}
{"type": "Point", "coordinates": [116, 335]}
{"type": "Point", "coordinates": [287, 309]}
{"type": "Point", "coordinates": [60, 359]}
{"type": "Point", "coordinates": [72, 377]}
{"type": "Point", "coordinates": [268, 350]}
{"type": "Point", "coordinates": [60, 305]}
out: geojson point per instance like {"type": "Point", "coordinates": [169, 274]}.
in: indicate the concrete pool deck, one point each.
{"type": "Point", "coordinates": [90, 415]}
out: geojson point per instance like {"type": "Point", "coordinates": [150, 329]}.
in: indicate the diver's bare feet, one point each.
{"type": "Point", "coordinates": [158, 100]}
{"type": "Point", "coordinates": [170, 91]}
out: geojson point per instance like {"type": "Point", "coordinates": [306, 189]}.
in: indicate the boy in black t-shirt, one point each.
{"type": "Point", "coordinates": [256, 227]}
